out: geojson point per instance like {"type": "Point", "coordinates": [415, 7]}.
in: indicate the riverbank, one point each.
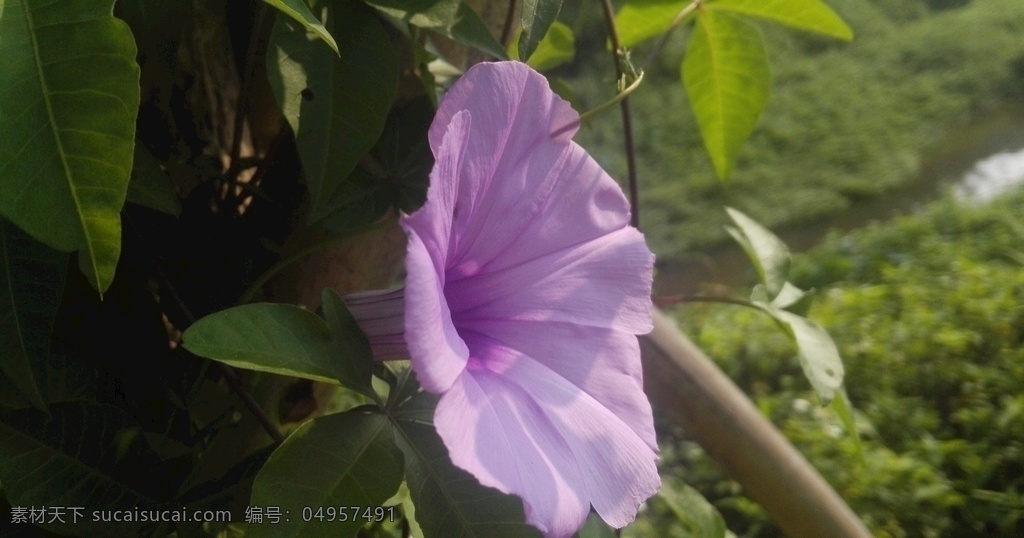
{"type": "Point", "coordinates": [847, 126]}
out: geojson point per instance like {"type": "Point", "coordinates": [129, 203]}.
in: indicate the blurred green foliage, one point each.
{"type": "Point", "coordinates": [845, 122]}
{"type": "Point", "coordinates": [928, 314]}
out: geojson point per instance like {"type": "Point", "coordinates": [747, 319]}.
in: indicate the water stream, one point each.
{"type": "Point", "coordinates": [977, 163]}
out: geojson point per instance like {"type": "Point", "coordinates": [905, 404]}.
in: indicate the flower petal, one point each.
{"type": "Point", "coordinates": [603, 363]}
{"type": "Point", "coordinates": [602, 283]}
{"type": "Point", "coordinates": [380, 314]}
{"type": "Point", "coordinates": [518, 178]}
{"type": "Point", "coordinates": [437, 352]}
{"type": "Point", "coordinates": [493, 431]}
{"type": "Point", "coordinates": [519, 427]}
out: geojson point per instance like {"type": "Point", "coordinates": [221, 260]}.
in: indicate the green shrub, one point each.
{"type": "Point", "coordinates": [928, 314]}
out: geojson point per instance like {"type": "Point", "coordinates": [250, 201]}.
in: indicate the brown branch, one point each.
{"type": "Point", "coordinates": [627, 118]}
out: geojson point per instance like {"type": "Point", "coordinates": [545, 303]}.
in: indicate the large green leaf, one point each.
{"type": "Point", "coordinates": [299, 11]}
{"type": "Point", "coordinates": [809, 15]}
{"type": "Point", "coordinates": [450, 18]}
{"type": "Point", "coordinates": [69, 94]}
{"type": "Point", "coordinates": [449, 501]}
{"type": "Point", "coordinates": [277, 338]}
{"type": "Point", "coordinates": [536, 18]}
{"type": "Point", "coordinates": [766, 251]}
{"type": "Point", "coordinates": [356, 360]}
{"type": "Point", "coordinates": [726, 76]}
{"type": "Point", "coordinates": [394, 175]}
{"type": "Point", "coordinates": [79, 459]}
{"type": "Point", "coordinates": [31, 283]}
{"type": "Point", "coordinates": [557, 47]}
{"type": "Point", "coordinates": [327, 474]}
{"type": "Point", "coordinates": [640, 20]}
{"type": "Point", "coordinates": [337, 106]}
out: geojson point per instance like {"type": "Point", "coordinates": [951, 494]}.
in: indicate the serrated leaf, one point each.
{"type": "Point", "coordinates": [450, 501]}
{"type": "Point", "coordinates": [767, 252]}
{"type": "Point", "coordinates": [150, 186]}
{"type": "Point", "coordinates": [450, 18]}
{"type": "Point", "coordinates": [535, 19]}
{"type": "Point", "coordinates": [267, 337]}
{"type": "Point", "coordinates": [727, 80]}
{"type": "Point", "coordinates": [691, 509]}
{"type": "Point", "coordinates": [640, 20]}
{"type": "Point", "coordinates": [31, 284]}
{"type": "Point", "coordinates": [69, 94]}
{"type": "Point", "coordinates": [300, 13]}
{"type": "Point", "coordinates": [69, 461]}
{"type": "Point", "coordinates": [338, 461]}
{"type": "Point", "coordinates": [356, 359]}
{"type": "Point", "coordinates": [818, 355]}
{"type": "Point", "coordinates": [336, 106]}
{"type": "Point", "coordinates": [810, 15]}
{"type": "Point", "coordinates": [557, 47]}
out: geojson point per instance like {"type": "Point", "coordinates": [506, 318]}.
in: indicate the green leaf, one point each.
{"type": "Point", "coordinates": [394, 175]}
{"type": "Point", "coordinates": [536, 18]}
{"type": "Point", "coordinates": [277, 338]}
{"type": "Point", "coordinates": [150, 186]}
{"type": "Point", "coordinates": [727, 79]}
{"type": "Point", "coordinates": [329, 465]}
{"type": "Point", "coordinates": [557, 47]}
{"type": "Point", "coordinates": [299, 12]}
{"type": "Point", "coordinates": [842, 406]}
{"type": "Point", "coordinates": [450, 18]}
{"type": "Point", "coordinates": [793, 299]}
{"type": "Point", "coordinates": [819, 357]}
{"type": "Point", "coordinates": [336, 106]}
{"type": "Point", "coordinates": [810, 15]}
{"type": "Point", "coordinates": [69, 94]}
{"type": "Point", "coordinates": [355, 364]}
{"type": "Point", "coordinates": [767, 252]}
{"type": "Point", "coordinates": [640, 20]}
{"type": "Point", "coordinates": [77, 459]}
{"type": "Point", "coordinates": [692, 510]}
{"type": "Point", "coordinates": [450, 501]}
{"type": "Point", "coordinates": [595, 527]}
{"type": "Point", "coordinates": [31, 284]}
{"type": "Point", "coordinates": [229, 491]}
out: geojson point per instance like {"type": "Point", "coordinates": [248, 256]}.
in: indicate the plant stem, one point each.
{"type": "Point", "coordinates": [185, 318]}
{"type": "Point", "coordinates": [586, 116]}
{"type": "Point", "coordinates": [627, 118]}
{"type": "Point", "coordinates": [676, 23]}
{"type": "Point", "coordinates": [235, 384]}
{"type": "Point", "coordinates": [242, 106]}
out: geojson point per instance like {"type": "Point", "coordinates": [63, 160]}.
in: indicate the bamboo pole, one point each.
{"type": "Point", "coordinates": [688, 388]}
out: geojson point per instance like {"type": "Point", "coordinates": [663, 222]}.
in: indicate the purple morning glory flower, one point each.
{"type": "Point", "coordinates": [525, 290]}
